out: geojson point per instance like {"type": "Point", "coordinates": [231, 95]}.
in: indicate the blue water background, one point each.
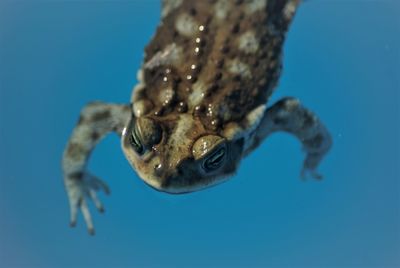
{"type": "Point", "coordinates": [342, 59]}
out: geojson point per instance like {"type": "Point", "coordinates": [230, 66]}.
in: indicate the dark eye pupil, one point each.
{"type": "Point", "coordinates": [215, 160]}
{"type": "Point", "coordinates": [135, 142]}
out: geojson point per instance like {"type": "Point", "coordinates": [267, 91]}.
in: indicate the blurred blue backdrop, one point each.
{"type": "Point", "coordinates": [342, 59]}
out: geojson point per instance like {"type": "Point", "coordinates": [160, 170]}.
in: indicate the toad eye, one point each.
{"type": "Point", "coordinates": [210, 151]}
{"type": "Point", "coordinates": [145, 133]}
{"type": "Point", "coordinates": [215, 160]}
{"type": "Point", "coordinates": [135, 141]}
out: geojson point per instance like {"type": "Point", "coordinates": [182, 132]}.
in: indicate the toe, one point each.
{"type": "Point", "coordinates": [96, 200]}
{"type": "Point", "coordinates": [86, 215]}
{"type": "Point", "coordinates": [91, 231]}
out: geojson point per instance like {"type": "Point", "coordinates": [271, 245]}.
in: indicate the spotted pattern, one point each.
{"type": "Point", "coordinates": [201, 63]}
{"type": "Point", "coordinates": [186, 25]}
{"type": "Point", "coordinates": [248, 42]}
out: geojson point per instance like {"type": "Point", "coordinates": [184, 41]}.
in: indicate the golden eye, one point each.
{"type": "Point", "coordinates": [149, 131]}
{"type": "Point", "coordinates": [144, 134]}
{"type": "Point", "coordinates": [205, 145]}
{"type": "Point", "coordinates": [215, 160]}
{"type": "Point", "coordinates": [211, 151]}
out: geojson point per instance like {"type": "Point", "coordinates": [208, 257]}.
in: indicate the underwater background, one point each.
{"type": "Point", "coordinates": [342, 60]}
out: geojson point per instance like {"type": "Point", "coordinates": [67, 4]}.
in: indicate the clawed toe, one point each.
{"type": "Point", "coordinates": [91, 231]}
{"type": "Point", "coordinates": [96, 201]}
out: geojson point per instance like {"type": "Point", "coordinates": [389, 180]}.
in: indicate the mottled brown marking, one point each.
{"type": "Point", "coordinates": [235, 28]}
{"type": "Point", "coordinates": [76, 176]}
{"type": "Point", "coordinates": [75, 150]}
{"type": "Point", "coordinates": [237, 78]}
{"type": "Point", "coordinates": [217, 76]}
{"type": "Point", "coordinates": [315, 142]}
{"type": "Point", "coordinates": [192, 11]}
{"type": "Point", "coordinates": [238, 2]}
{"type": "Point", "coordinates": [308, 120]}
{"type": "Point", "coordinates": [224, 49]}
{"type": "Point", "coordinates": [212, 88]}
{"type": "Point", "coordinates": [95, 136]}
{"type": "Point", "coordinates": [220, 63]}
{"type": "Point", "coordinates": [99, 116]}
{"type": "Point", "coordinates": [280, 121]}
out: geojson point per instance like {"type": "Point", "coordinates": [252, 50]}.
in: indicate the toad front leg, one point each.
{"type": "Point", "coordinates": [96, 120]}
{"type": "Point", "coordinates": [290, 116]}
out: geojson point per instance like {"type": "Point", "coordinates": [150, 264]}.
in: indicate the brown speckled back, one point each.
{"type": "Point", "coordinates": [217, 60]}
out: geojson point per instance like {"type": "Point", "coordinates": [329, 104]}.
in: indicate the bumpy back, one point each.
{"type": "Point", "coordinates": [215, 59]}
